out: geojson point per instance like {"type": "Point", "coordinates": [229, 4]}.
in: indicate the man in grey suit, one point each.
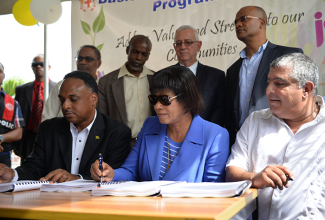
{"type": "Point", "coordinates": [30, 97]}
{"type": "Point", "coordinates": [247, 77]}
{"type": "Point", "coordinates": [123, 93]}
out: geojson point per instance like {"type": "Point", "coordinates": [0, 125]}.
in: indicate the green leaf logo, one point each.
{"type": "Point", "coordinates": [99, 47]}
{"type": "Point", "coordinates": [85, 27]}
{"type": "Point", "coordinates": [99, 22]}
{"type": "Point", "coordinates": [98, 25]}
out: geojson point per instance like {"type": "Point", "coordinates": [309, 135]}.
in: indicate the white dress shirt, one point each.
{"type": "Point", "coordinates": [136, 91]}
{"type": "Point", "coordinates": [193, 68]}
{"type": "Point", "coordinates": [79, 140]}
{"type": "Point", "coordinates": [264, 139]}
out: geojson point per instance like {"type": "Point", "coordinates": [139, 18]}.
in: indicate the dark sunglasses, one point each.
{"type": "Point", "coordinates": [245, 17]}
{"type": "Point", "coordinates": [163, 99]}
{"type": "Point", "coordinates": [88, 59]}
{"type": "Point", "coordinates": [187, 43]}
{"type": "Point", "coordinates": [35, 64]}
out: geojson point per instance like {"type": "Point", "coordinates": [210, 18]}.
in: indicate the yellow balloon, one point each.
{"type": "Point", "coordinates": [22, 14]}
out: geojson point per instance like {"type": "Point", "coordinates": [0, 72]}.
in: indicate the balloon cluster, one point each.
{"type": "Point", "coordinates": [29, 12]}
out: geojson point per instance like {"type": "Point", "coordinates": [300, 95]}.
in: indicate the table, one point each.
{"type": "Point", "coordinates": [53, 205]}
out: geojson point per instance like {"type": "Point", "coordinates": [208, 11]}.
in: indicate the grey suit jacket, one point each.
{"type": "Point", "coordinates": [258, 100]}
{"type": "Point", "coordinates": [111, 99]}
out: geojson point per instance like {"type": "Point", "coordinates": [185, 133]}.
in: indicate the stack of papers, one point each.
{"type": "Point", "coordinates": [131, 188]}
{"type": "Point", "coordinates": [70, 186]}
{"type": "Point", "coordinates": [206, 189]}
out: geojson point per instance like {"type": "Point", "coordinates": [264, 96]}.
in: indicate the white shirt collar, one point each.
{"type": "Point", "coordinates": [88, 127]}
{"type": "Point", "coordinates": [242, 53]}
{"type": "Point", "coordinates": [193, 68]}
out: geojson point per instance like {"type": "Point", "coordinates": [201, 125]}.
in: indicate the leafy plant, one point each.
{"type": "Point", "coordinates": [98, 25]}
{"type": "Point", "coordinates": [10, 85]}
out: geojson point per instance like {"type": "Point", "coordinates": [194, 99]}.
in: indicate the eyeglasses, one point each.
{"type": "Point", "coordinates": [244, 18]}
{"type": "Point", "coordinates": [88, 59]}
{"type": "Point", "coordinates": [163, 99]}
{"type": "Point", "coordinates": [187, 43]}
{"type": "Point", "coordinates": [35, 64]}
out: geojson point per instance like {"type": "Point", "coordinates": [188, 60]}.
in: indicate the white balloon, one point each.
{"type": "Point", "coordinates": [46, 11]}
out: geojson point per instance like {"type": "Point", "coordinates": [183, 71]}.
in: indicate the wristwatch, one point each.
{"type": "Point", "coordinates": [1, 138]}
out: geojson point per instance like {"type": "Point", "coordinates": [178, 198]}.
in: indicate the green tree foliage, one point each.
{"type": "Point", "coordinates": [10, 85]}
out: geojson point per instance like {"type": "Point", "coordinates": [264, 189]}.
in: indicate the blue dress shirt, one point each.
{"type": "Point", "coordinates": [247, 76]}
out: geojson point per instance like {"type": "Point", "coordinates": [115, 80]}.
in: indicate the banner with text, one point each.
{"type": "Point", "coordinates": [110, 24]}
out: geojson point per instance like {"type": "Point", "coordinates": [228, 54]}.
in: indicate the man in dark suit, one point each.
{"type": "Point", "coordinates": [123, 93]}
{"type": "Point", "coordinates": [247, 77]}
{"type": "Point", "coordinates": [211, 80]}
{"type": "Point", "coordinates": [30, 97]}
{"type": "Point", "coordinates": [66, 147]}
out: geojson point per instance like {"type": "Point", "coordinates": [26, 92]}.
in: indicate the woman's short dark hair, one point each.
{"type": "Point", "coordinates": [88, 79]}
{"type": "Point", "coordinates": [180, 80]}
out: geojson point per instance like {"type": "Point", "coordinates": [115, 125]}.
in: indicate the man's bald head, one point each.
{"type": "Point", "coordinates": [251, 24]}
{"type": "Point", "coordinates": [2, 74]}
{"type": "Point", "coordinates": [258, 11]}
{"type": "Point", "coordinates": [2, 68]}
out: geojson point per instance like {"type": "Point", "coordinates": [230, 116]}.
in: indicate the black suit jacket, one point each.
{"type": "Point", "coordinates": [24, 96]}
{"type": "Point", "coordinates": [258, 98]}
{"type": "Point", "coordinates": [53, 147]}
{"type": "Point", "coordinates": [212, 83]}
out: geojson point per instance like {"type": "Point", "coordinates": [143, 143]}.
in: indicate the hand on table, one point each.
{"type": "Point", "coordinates": [59, 175]}
{"type": "Point", "coordinates": [6, 173]}
{"type": "Point", "coordinates": [108, 172]}
{"type": "Point", "coordinates": [273, 176]}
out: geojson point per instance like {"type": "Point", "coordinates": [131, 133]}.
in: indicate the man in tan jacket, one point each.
{"type": "Point", "coordinates": [123, 93]}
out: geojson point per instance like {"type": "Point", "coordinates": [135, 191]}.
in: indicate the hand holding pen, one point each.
{"type": "Point", "coordinates": [102, 172]}
{"type": "Point", "coordinates": [273, 176]}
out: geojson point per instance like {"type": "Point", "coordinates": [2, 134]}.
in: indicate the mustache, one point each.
{"type": "Point", "coordinates": [67, 111]}
{"type": "Point", "coordinates": [272, 96]}
{"type": "Point", "coordinates": [83, 66]}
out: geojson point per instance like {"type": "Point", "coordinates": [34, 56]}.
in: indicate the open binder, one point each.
{"type": "Point", "coordinates": [21, 185]}
{"type": "Point", "coordinates": [174, 189]}
{"type": "Point", "coordinates": [146, 188]}
{"type": "Point", "coordinates": [130, 188]}
{"type": "Point", "coordinates": [206, 189]}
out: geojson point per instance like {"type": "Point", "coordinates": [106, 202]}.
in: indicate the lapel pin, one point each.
{"type": "Point", "coordinates": [97, 137]}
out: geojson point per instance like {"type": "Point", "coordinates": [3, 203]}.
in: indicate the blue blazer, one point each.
{"type": "Point", "coordinates": [201, 158]}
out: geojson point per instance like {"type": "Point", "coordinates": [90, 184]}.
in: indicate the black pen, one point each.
{"type": "Point", "coordinates": [288, 178]}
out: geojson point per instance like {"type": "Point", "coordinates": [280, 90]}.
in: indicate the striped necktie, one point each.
{"type": "Point", "coordinates": [37, 110]}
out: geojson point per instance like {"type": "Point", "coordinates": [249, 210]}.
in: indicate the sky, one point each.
{"type": "Point", "coordinates": [19, 44]}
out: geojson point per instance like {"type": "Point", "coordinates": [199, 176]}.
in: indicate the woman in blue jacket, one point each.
{"type": "Point", "coordinates": [177, 144]}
